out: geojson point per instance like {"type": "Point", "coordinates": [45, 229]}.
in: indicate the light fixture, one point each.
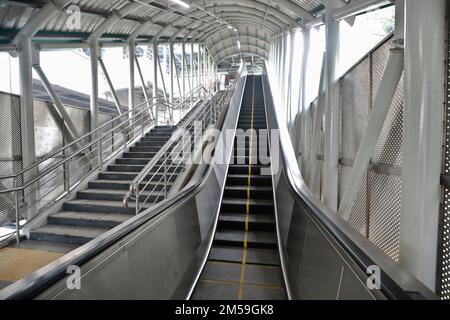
{"type": "Point", "coordinates": [181, 3]}
{"type": "Point", "coordinates": [239, 44]}
{"type": "Point", "coordinates": [229, 27]}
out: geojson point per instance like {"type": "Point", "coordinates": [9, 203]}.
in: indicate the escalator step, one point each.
{"type": "Point", "coordinates": [254, 255]}
{"type": "Point", "coordinates": [255, 239]}
{"type": "Point", "coordinates": [254, 274]}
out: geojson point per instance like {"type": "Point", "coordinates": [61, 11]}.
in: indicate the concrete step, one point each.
{"type": "Point", "coordinates": [125, 185]}
{"type": "Point", "coordinates": [117, 195]}
{"type": "Point", "coordinates": [88, 219]}
{"type": "Point", "coordinates": [172, 175]}
{"type": "Point", "coordinates": [101, 206]}
{"type": "Point", "coordinates": [66, 234]}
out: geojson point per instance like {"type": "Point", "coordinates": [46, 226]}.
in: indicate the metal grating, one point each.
{"type": "Point", "coordinates": [355, 106]}
{"type": "Point", "coordinates": [10, 152]}
{"type": "Point", "coordinates": [384, 217]}
{"type": "Point", "coordinates": [376, 210]}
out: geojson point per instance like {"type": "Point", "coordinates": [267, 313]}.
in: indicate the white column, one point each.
{"type": "Point", "coordinates": [302, 106]}
{"type": "Point", "coordinates": [27, 124]}
{"type": "Point", "coordinates": [423, 129]}
{"type": "Point", "coordinates": [331, 156]}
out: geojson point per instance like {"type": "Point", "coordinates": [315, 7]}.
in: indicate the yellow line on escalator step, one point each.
{"type": "Point", "coordinates": [247, 206]}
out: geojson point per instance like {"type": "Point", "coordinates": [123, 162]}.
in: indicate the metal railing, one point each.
{"type": "Point", "coordinates": [153, 183]}
{"type": "Point", "coordinates": [54, 176]}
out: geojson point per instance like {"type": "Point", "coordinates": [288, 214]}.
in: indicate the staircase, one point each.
{"type": "Point", "coordinates": [100, 207]}
{"type": "Point", "coordinates": [244, 261]}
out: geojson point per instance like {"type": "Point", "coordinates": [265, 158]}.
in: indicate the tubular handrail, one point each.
{"type": "Point", "coordinates": [93, 132]}
{"type": "Point", "coordinates": [161, 155]}
{"type": "Point", "coordinates": [82, 157]}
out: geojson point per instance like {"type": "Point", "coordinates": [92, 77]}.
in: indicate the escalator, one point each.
{"type": "Point", "coordinates": [244, 262]}
{"type": "Point", "coordinates": [231, 233]}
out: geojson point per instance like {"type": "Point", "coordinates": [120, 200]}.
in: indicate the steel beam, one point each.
{"type": "Point", "coordinates": [111, 86]}
{"type": "Point", "coordinates": [71, 130]}
{"type": "Point", "coordinates": [144, 90]}
{"type": "Point", "coordinates": [356, 7]}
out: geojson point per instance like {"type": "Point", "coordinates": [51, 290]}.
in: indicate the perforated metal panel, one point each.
{"type": "Point", "coordinates": [10, 152]}
{"type": "Point", "coordinates": [376, 210]}
{"type": "Point", "coordinates": [384, 214]}
{"type": "Point", "coordinates": [443, 283]}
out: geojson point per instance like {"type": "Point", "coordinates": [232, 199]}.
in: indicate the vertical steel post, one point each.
{"type": "Point", "coordinates": [94, 55]}
{"type": "Point", "coordinates": [425, 47]}
{"type": "Point", "coordinates": [183, 68]}
{"type": "Point", "coordinates": [303, 106]}
{"type": "Point", "coordinates": [27, 114]}
{"type": "Point", "coordinates": [192, 66]}
{"type": "Point", "coordinates": [199, 67]}
{"type": "Point", "coordinates": [331, 156]}
{"type": "Point", "coordinates": [155, 80]}
{"type": "Point", "coordinates": [131, 61]}
{"type": "Point", "coordinates": [171, 66]}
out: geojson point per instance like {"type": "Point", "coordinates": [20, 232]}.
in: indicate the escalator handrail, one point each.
{"type": "Point", "coordinates": [346, 237]}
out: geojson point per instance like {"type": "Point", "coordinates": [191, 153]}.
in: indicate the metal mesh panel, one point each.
{"type": "Point", "coordinates": [385, 206]}
{"type": "Point", "coordinates": [376, 209]}
{"type": "Point", "coordinates": [358, 215]}
{"type": "Point", "coordinates": [10, 152]}
{"type": "Point", "coordinates": [389, 149]}
{"type": "Point", "coordinates": [444, 236]}
{"type": "Point", "coordinates": [355, 106]}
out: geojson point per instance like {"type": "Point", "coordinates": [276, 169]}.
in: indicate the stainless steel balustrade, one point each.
{"type": "Point", "coordinates": [80, 158]}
